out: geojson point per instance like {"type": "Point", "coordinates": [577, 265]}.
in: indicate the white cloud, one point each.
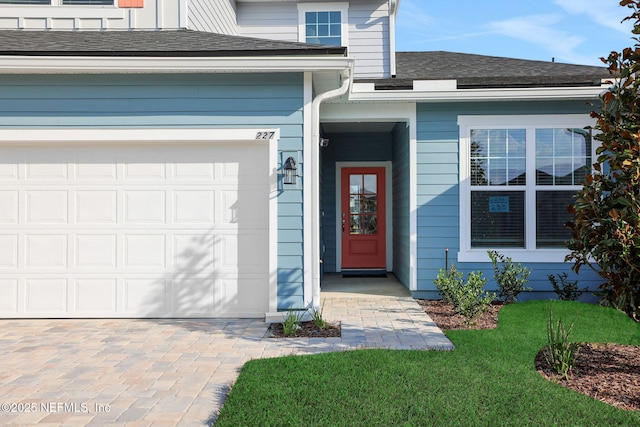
{"type": "Point", "coordinates": [606, 13]}
{"type": "Point", "coordinates": [538, 30]}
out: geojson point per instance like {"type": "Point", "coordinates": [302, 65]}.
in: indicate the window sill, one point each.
{"type": "Point", "coordinates": [517, 255]}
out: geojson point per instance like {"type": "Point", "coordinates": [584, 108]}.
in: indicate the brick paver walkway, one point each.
{"type": "Point", "coordinates": [171, 372]}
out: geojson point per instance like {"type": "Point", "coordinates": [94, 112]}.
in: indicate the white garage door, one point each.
{"type": "Point", "coordinates": [134, 230]}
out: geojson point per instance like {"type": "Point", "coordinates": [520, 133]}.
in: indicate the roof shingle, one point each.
{"type": "Point", "coordinates": [478, 71]}
{"type": "Point", "coordinates": [162, 43]}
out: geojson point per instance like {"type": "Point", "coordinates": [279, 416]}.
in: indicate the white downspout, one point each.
{"type": "Point", "coordinates": [315, 182]}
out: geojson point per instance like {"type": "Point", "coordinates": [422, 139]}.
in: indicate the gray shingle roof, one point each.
{"type": "Point", "coordinates": [161, 43]}
{"type": "Point", "coordinates": [475, 71]}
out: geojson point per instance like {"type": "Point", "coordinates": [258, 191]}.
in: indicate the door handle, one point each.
{"type": "Point", "coordinates": [344, 221]}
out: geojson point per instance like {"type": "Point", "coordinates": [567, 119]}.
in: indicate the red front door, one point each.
{"type": "Point", "coordinates": [363, 218]}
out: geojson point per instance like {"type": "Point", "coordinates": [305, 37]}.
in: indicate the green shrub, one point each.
{"type": "Point", "coordinates": [292, 322]}
{"type": "Point", "coordinates": [317, 317]}
{"type": "Point", "coordinates": [561, 353]}
{"type": "Point", "coordinates": [511, 278]}
{"type": "Point", "coordinates": [468, 299]}
{"type": "Point", "coordinates": [472, 299]}
{"type": "Point", "coordinates": [447, 282]}
{"type": "Point", "coordinates": [566, 290]}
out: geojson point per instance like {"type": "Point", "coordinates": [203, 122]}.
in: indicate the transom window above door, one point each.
{"type": "Point", "coordinates": [518, 175]}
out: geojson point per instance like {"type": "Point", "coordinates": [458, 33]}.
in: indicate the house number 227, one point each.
{"type": "Point", "coordinates": [265, 135]}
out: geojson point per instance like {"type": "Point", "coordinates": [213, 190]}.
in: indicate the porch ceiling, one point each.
{"type": "Point", "coordinates": [357, 127]}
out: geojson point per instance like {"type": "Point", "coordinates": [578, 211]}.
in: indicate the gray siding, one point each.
{"type": "Point", "coordinates": [154, 15]}
{"type": "Point", "coordinates": [217, 16]}
{"type": "Point", "coordinates": [272, 20]}
{"type": "Point", "coordinates": [438, 195]}
{"type": "Point", "coordinates": [221, 100]}
{"type": "Point", "coordinates": [362, 147]}
{"type": "Point", "coordinates": [401, 204]}
{"type": "Point", "coordinates": [368, 30]}
{"type": "Point", "coordinates": [369, 38]}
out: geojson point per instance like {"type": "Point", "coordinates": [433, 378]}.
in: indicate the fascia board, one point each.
{"type": "Point", "coordinates": [102, 65]}
{"type": "Point", "coordinates": [470, 95]}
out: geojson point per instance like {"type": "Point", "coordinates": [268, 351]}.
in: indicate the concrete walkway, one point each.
{"type": "Point", "coordinates": [177, 372]}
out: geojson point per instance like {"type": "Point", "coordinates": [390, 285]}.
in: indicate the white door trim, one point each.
{"type": "Point", "coordinates": [388, 209]}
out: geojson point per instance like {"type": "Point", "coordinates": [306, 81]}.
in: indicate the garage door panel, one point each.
{"type": "Point", "coordinates": [194, 252]}
{"type": "Point", "coordinates": [46, 295]}
{"type": "Point", "coordinates": [193, 206]}
{"type": "Point", "coordinates": [144, 206]}
{"type": "Point", "coordinates": [9, 295]}
{"type": "Point", "coordinates": [9, 202]}
{"type": "Point", "coordinates": [241, 252]}
{"type": "Point", "coordinates": [142, 231]}
{"type": "Point", "coordinates": [46, 250]}
{"type": "Point", "coordinates": [96, 206]}
{"type": "Point", "coordinates": [244, 294]}
{"type": "Point", "coordinates": [144, 251]}
{"type": "Point", "coordinates": [96, 164]}
{"type": "Point", "coordinates": [9, 161]}
{"type": "Point", "coordinates": [193, 296]}
{"type": "Point", "coordinates": [95, 296]}
{"type": "Point", "coordinates": [196, 171]}
{"type": "Point", "coordinates": [145, 296]}
{"type": "Point", "coordinates": [96, 251]}
{"type": "Point", "coordinates": [47, 207]}
{"type": "Point", "coordinates": [47, 163]}
{"type": "Point", "coordinates": [239, 208]}
{"type": "Point", "coordinates": [8, 251]}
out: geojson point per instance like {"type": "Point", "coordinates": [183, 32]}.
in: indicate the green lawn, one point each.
{"type": "Point", "coordinates": [489, 380]}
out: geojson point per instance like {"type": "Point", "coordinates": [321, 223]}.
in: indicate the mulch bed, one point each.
{"type": "Point", "coordinates": [307, 330]}
{"type": "Point", "coordinates": [607, 372]}
{"type": "Point", "coordinates": [443, 315]}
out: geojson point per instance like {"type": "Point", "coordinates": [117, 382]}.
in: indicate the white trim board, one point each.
{"type": "Point", "coordinates": [270, 136]}
{"type": "Point", "coordinates": [530, 123]}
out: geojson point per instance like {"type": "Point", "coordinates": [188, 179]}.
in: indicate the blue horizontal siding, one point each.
{"type": "Point", "coordinates": [352, 147]}
{"type": "Point", "coordinates": [437, 189]}
{"type": "Point", "coordinates": [264, 100]}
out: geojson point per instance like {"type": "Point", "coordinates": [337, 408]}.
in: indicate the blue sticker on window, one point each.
{"type": "Point", "coordinates": [499, 204]}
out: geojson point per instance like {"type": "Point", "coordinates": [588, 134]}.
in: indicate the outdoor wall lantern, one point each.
{"type": "Point", "coordinates": [289, 171]}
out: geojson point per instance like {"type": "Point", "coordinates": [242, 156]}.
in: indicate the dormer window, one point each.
{"type": "Point", "coordinates": [323, 28]}
{"type": "Point", "coordinates": [323, 23]}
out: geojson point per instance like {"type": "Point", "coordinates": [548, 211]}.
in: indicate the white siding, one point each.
{"type": "Point", "coordinates": [369, 37]}
{"type": "Point", "coordinates": [217, 16]}
{"type": "Point", "coordinates": [276, 21]}
{"type": "Point", "coordinates": [93, 18]}
{"type": "Point", "coordinates": [368, 30]}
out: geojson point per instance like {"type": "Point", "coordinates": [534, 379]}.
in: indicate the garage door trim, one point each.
{"type": "Point", "coordinates": [258, 136]}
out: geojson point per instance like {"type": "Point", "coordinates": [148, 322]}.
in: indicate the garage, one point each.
{"type": "Point", "coordinates": [137, 223]}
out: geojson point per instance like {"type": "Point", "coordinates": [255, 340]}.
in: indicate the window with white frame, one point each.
{"type": "Point", "coordinates": [323, 23]}
{"type": "Point", "coordinates": [518, 175]}
{"type": "Point", "coordinates": [59, 2]}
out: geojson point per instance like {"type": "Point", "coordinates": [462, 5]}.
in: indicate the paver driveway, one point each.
{"type": "Point", "coordinates": [171, 372]}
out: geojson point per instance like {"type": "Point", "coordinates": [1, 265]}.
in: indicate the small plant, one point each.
{"type": "Point", "coordinates": [447, 282]}
{"type": "Point", "coordinates": [472, 299]}
{"type": "Point", "coordinates": [565, 289]}
{"type": "Point", "coordinates": [317, 317]}
{"type": "Point", "coordinates": [468, 299]}
{"type": "Point", "coordinates": [292, 322]}
{"type": "Point", "coordinates": [511, 278]}
{"type": "Point", "coordinates": [561, 353]}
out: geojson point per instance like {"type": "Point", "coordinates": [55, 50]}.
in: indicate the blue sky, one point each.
{"type": "Point", "coordinates": [571, 31]}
